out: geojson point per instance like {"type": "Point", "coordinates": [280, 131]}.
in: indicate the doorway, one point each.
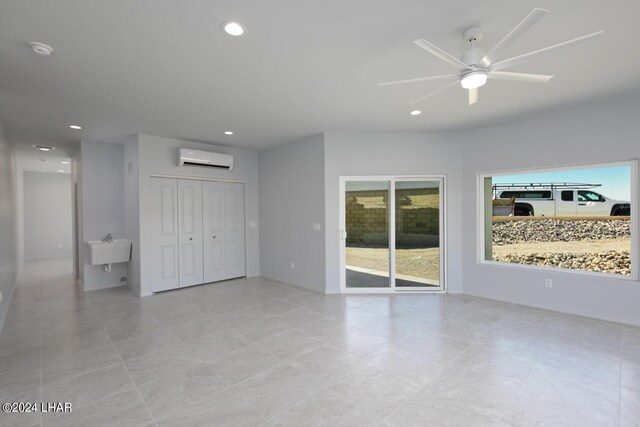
{"type": "Point", "coordinates": [392, 233]}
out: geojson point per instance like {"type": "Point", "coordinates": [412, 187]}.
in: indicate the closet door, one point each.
{"type": "Point", "coordinates": [234, 221]}
{"type": "Point", "coordinates": [213, 231]}
{"type": "Point", "coordinates": [164, 234]}
{"type": "Point", "coordinates": [190, 232]}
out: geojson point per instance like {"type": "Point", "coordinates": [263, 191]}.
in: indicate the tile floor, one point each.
{"type": "Point", "coordinates": [259, 352]}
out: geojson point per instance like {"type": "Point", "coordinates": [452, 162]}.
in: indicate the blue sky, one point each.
{"type": "Point", "coordinates": [615, 180]}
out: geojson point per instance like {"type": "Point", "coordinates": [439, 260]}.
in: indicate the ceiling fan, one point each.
{"type": "Point", "coordinates": [476, 66]}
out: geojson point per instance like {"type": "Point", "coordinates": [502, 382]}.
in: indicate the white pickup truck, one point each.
{"type": "Point", "coordinates": [560, 199]}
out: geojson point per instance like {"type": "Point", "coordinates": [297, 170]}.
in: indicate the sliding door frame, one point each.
{"type": "Point", "coordinates": [392, 179]}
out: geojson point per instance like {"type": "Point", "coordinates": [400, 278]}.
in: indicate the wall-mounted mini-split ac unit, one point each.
{"type": "Point", "coordinates": [207, 159]}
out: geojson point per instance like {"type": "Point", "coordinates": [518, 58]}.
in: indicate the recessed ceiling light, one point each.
{"type": "Point", "coordinates": [61, 170]}
{"type": "Point", "coordinates": [41, 48]}
{"type": "Point", "coordinates": [228, 132]}
{"type": "Point", "coordinates": [76, 127]}
{"type": "Point", "coordinates": [415, 112]}
{"type": "Point", "coordinates": [65, 162]}
{"type": "Point", "coordinates": [233, 28]}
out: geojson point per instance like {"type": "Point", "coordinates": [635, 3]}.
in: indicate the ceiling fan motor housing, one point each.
{"type": "Point", "coordinates": [473, 57]}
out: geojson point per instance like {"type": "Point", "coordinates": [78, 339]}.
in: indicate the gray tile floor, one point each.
{"type": "Point", "coordinates": [260, 352]}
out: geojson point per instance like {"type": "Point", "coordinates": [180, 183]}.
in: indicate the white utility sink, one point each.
{"type": "Point", "coordinates": [118, 250]}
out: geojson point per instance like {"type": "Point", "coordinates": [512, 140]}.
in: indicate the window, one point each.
{"type": "Point", "coordinates": [526, 194]}
{"type": "Point", "coordinates": [589, 196]}
{"type": "Point", "coordinates": [567, 196]}
{"type": "Point", "coordinates": [576, 218]}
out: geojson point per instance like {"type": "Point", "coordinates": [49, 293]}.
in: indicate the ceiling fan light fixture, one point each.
{"type": "Point", "coordinates": [474, 79]}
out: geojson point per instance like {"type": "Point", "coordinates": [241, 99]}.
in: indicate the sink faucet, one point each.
{"type": "Point", "coordinates": [107, 238]}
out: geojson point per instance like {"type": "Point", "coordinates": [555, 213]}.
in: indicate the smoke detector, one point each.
{"type": "Point", "coordinates": [41, 48]}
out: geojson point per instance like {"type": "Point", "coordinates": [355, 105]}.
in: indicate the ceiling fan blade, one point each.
{"type": "Point", "coordinates": [529, 21]}
{"type": "Point", "coordinates": [435, 92]}
{"type": "Point", "coordinates": [419, 79]}
{"type": "Point", "coordinates": [545, 51]}
{"type": "Point", "coordinates": [519, 77]}
{"type": "Point", "coordinates": [436, 51]}
{"type": "Point", "coordinates": [473, 96]}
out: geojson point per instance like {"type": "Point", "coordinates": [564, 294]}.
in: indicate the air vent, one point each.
{"type": "Point", "coordinates": [206, 165]}
{"type": "Point", "coordinates": [43, 147]}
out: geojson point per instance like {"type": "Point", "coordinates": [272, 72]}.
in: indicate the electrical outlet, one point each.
{"type": "Point", "coordinates": [293, 264]}
{"type": "Point", "coordinates": [548, 283]}
{"type": "Point", "coordinates": [252, 224]}
{"type": "Point", "coordinates": [317, 226]}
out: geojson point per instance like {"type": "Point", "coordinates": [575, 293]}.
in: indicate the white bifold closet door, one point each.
{"type": "Point", "coordinates": [164, 234]}
{"type": "Point", "coordinates": [197, 232]}
{"type": "Point", "coordinates": [214, 231]}
{"type": "Point", "coordinates": [234, 224]}
{"type": "Point", "coordinates": [190, 232]}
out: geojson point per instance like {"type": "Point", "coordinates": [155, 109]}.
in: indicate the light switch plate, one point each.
{"type": "Point", "coordinates": [317, 226]}
{"type": "Point", "coordinates": [252, 224]}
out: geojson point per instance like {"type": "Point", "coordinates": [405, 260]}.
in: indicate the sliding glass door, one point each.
{"type": "Point", "coordinates": [391, 233]}
{"type": "Point", "coordinates": [367, 234]}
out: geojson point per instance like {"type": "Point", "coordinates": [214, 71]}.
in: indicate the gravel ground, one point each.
{"type": "Point", "coordinates": [592, 245]}
{"type": "Point", "coordinates": [553, 230]}
{"type": "Point", "coordinates": [608, 262]}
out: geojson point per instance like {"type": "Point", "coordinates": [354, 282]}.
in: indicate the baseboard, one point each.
{"type": "Point", "coordinates": [99, 287]}
{"type": "Point", "coordinates": [526, 303]}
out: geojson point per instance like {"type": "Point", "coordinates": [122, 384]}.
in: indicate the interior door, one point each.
{"type": "Point", "coordinates": [214, 235]}
{"type": "Point", "coordinates": [164, 234]}
{"type": "Point", "coordinates": [190, 232]}
{"type": "Point", "coordinates": [234, 222]}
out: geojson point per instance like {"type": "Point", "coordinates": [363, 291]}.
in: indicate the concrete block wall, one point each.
{"type": "Point", "coordinates": [417, 218]}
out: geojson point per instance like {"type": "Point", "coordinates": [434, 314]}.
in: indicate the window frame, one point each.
{"type": "Point", "coordinates": [635, 222]}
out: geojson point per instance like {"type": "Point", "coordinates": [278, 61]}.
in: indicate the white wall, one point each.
{"type": "Point", "coordinates": [78, 234]}
{"type": "Point", "coordinates": [102, 178]}
{"type": "Point", "coordinates": [18, 191]}
{"type": "Point", "coordinates": [47, 215]}
{"type": "Point", "coordinates": [131, 168]}
{"type": "Point", "coordinates": [351, 154]}
{"type": "Point", "coordinates": [292, 199]}
{"type": "Point", "coordinates": [159, 156]}
{"type": "Point", "coordinates": [10, 259]}
{"type": "Point", "coordinates": [596, 133]}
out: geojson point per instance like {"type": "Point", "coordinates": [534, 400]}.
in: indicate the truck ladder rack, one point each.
{"type": "Point", "coordinates": [549, 185]}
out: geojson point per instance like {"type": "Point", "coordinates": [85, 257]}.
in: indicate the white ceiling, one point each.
{"type": "Point", "coordinates": [49, 162]}
{"type": "Point", "coordinates": [164, 67]}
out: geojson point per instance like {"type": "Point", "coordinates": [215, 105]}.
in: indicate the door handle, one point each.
{"type": "Point", "coordinates": [582, 204]}
{"type": "Point", "coordinates": [214, 237]}
{"type": "Point", "coordinates": [191, 238]}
